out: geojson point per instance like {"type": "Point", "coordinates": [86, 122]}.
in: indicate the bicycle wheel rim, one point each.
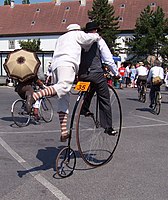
{"type": "Point", "coordinates": [46, 110]}
{"type": "Point", "coordinates": [65, 162]}
{"type": "Point", "coordinates": [95, 147]}
{"type": "Point", "coordinates": [157, 105]}
{"type": "Point", "coordinates": [20, 117]}
{"type": "Point", "coordinates": [144, 98]}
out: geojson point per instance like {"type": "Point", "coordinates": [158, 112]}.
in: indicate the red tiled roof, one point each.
{"type": "Point", "coordinates": [133, 8]}
{"type": "Point", "coordinates": [49, 19]}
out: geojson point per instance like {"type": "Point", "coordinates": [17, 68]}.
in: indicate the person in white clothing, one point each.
{"type": "Point", "coordinates": [141, 74]}
{"type": "Point", "coordinates": [155, 71]}
{"type": "Point", "coordinates": [65, 63]}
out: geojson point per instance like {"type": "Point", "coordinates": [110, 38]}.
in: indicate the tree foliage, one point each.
{"type": "Point", "coordinates": [149, 38]}
{"type": "Point", "coordinates": [103, 14]}
{"type": "Point", "coordinates": [32, 45]}
{"type": "Point", "coordinates": [25, 2]}
{"type": "Point", "coordinates": [7, 2]}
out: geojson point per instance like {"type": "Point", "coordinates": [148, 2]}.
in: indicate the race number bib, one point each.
{"type": "Point", "coordinates": [82, 86]}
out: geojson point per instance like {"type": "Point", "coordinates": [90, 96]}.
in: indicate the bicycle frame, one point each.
{"type": "Point", "coordinates": [80, 95]}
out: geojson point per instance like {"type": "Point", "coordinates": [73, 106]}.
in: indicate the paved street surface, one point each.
{"type": "Point", "coordinates": [138, 170]}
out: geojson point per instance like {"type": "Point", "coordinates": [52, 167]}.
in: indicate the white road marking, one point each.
{"type": "Point", "coordinates": [157, 120]}
{"type": "Point", "coordinates": [54, 190]}
{"type": "Point", "coordinates": [21, 132]}
{"type": "Point", "coordinates": [144, 126]}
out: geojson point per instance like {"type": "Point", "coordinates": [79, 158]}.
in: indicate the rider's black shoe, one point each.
{"type": "Point", "coordinates": [151, 106]}
{"type": "Point", "coordinates": [86, 113]}
{"type": "Point", "coordinates": [110, 131]}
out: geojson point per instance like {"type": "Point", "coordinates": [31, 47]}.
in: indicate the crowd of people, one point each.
{"type": "Point", "coordinates": [131, 76]}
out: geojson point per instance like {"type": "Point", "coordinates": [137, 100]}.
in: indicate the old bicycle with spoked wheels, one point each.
{"type": "Point", "coordinates": [96, 147]}
{"type": "Point", "coordinates": [20, 116]}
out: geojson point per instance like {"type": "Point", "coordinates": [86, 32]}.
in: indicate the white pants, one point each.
{"type": "Point", "coordinates": [65, 77]}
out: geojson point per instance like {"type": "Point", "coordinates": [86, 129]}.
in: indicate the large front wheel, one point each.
{"type": "Point", "coordinates": [96, 147]}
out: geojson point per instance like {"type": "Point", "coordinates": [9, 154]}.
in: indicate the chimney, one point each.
{"type": "Point", "coordinates": [110, 1]}
{"type": "Point", "coordinates": [57, 2]}
{"type": "Point", "coordinates": [82, 2]}
{"type": "Point", "coordinates": [12, 4]}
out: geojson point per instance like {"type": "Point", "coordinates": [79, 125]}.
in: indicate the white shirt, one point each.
{"type": "Point", "coordinates": [68, 48]}
{"type": "Point", "coordinates": [155, 71]}
{"type": "Point", "coordinates": [107, 57]}
{"type": "Point", "coordinates": [142, 71]}
{"type": "Point", "coordinates": [127, 71]}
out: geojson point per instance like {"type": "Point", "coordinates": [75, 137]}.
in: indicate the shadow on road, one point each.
{"type": "Point", "coordinates": [47, 156]}
{"type": "Point", "coordinates": [132, 99]}
{"type": "Point", "coordinates": [144, 109]}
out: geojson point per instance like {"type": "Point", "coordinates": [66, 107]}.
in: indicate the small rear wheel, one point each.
{"type": "Point", "coordinates": [65, 162]}
{"type": "Point", "coordinates": [19, 115]}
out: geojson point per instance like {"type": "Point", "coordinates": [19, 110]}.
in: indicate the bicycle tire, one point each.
{"type": "Point", "coordinates": [143, 94]}
{"type": "Point", "coordinates": [157, 105]}
{"type": "Point", "coordinates": [20, 117]}
{"type": "Point", "coordinates": [95, 147]}
{"type": "Point", "coordinates": [139, 93]}
{"type": "Point", "coordinates": [46, 110]}
{"type": "Point", "coordinates": [65, 162]}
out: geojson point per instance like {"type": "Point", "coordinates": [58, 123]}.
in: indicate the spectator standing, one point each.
{"type": "Point", "coordinates": [127, 75]}
{"type": "Point", "coordinates": [49, 75]}
{"type": "Point", "coordinates": [132, 76]}
{"type": "Point", "coordinates": [121, 72]}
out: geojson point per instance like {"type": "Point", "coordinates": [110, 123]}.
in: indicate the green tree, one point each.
{"type": "Point", "coordinates": [103, 14]}
{"type": "Point", "coordinates": [7, 2]}
{"type": "Point", "coordinates": [149, 37]}
{"type": "Point", "coordinates": [32, 45]}
{"type": "Point", "coordinates": [25, 2]}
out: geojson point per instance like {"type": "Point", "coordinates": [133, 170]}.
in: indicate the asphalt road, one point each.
{"type": "Point", "coordinates": [138, 170]}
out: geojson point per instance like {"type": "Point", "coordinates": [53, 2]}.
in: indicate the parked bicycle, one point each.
{"type": "Point", "coordinates": [95, 147]}
{"type": "Point", "coordinates": [21, 118]}
{"type": "Point", "coordinates": [142, 91]}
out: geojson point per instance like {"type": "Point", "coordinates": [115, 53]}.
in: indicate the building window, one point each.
{"type": "Point", "coordinates": [64, 21]}
{"type": "Point", "coordinates": [67, 8]}
{"type": "Point", "coordinates": [153, 4]}
{"type": "Point", "coordinates": [33, 22]}
{"type": "Point", "coordinates": [11, 44]}
{"type": "Point", "coordinates": [122, 6]}
{"type": "Point", "coordinates": [38, 10]}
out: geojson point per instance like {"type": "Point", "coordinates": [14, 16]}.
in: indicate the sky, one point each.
{"type": "Point", "coordinates": [31, 1]}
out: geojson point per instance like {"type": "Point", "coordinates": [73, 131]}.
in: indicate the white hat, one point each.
{"type": "Point", "coordinates": [141, 63]}
{"type": "Point", "coordinates": [73, 27]}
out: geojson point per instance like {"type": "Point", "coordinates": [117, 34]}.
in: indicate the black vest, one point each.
{"type": "Point", "coordinates": [90, 60]}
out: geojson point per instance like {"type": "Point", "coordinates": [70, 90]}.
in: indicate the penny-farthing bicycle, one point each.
{"type": "Point", "coordinates": [95, 147]}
